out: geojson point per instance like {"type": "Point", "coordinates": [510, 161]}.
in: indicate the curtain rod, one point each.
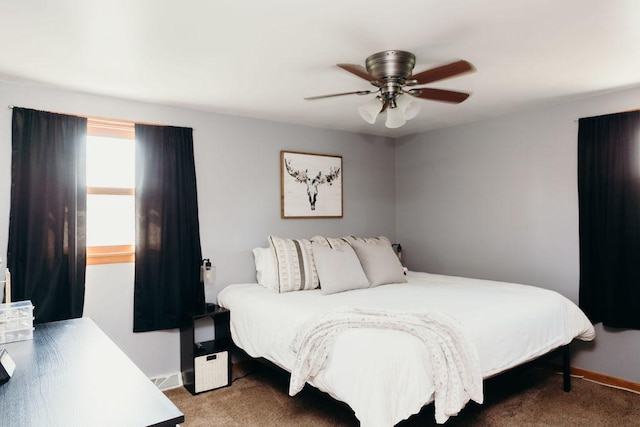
{"type": "Point", "coordinates": [91, 117]}
{"type": "Point", "coordinates": [11, 107]}
{"type": "Point", "coordinates": [607, 114]}
{"type": "Point", "coordinates": [87, 117]}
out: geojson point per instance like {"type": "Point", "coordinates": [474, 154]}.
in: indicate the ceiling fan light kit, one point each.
{"type": "Point", "coordinates": [369, 111]}
{"type": "Point", "coordinates": [395, 118]}
{"type": "Point", "coordinates": [391, 72]}
{"type": "Point", "coordinates": [409, 107]}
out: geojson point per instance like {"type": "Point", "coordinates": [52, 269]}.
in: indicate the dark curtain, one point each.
{"type": "Point", "coordinates": [609, 203]}
{"type": "Point", "coordinates": [46, 253]}
{"type": "Point", "coordinates": [168, 253]}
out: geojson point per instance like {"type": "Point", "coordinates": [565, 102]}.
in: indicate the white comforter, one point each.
{"type": "Point", "coordinates": [382, 373]}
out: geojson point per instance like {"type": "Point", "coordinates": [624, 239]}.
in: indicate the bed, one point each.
{"type": "Point", "coordinates": [383, 374]}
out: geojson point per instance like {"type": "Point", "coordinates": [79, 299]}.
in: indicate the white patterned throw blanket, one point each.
{"type": "Point", "coordinates": [451, 355]}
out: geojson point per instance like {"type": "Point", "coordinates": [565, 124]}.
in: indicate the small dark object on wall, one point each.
{"type": "Point", "coordinates": [398, 249]}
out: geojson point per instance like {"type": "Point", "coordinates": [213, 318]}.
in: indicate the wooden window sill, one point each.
{"type": "Point", "coordinates": [110, 254]}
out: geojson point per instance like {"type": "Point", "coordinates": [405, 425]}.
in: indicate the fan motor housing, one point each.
{"type": "Point", "coordinates": [395, 64]}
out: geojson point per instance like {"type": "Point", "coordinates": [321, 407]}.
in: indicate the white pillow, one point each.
{"type": "Point", "coordinates": [295, 267]}
{"type": "Point", "coordinates": [266, 268]}
{"type": "Point", "coordinates": [339, 269]}
{"type": "Point", "coordinates": [379, 261]}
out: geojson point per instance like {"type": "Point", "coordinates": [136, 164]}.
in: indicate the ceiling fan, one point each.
{"type": "Point", "coordinates": [391, 73]}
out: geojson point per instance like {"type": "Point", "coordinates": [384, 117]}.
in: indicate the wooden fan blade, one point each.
{"type": "Point", "coordinates": [442, 72]}
{"type": "Point", "coordinates": [358, 70]}
{"type": "Point", "coordinates": [439, 95]}
{"type": "Point", "coordinates": [357, 92]}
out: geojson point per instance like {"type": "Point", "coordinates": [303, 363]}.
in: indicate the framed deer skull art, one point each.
{"type": "Point", "coordinates": [311, 185]}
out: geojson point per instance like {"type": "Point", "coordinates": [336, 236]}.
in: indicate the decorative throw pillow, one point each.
{"type": "Point", "coordinates": [379, 261]}
{"type": "Point", "coordinates": [376, 240]}
{"type": "Point", "coordinates": [339, 269]}
{"type": "Point", "coordinates": [266, 274]}
{"type": "Point", "coordinates": [331, 242]}
{"type": "Point", "coordinates": [295, 267]}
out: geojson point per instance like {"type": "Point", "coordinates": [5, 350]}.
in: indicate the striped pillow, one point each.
{"type": "Point", "coordinates": [380, 240]}
{"type": "Point", "coordinates": [296, 269]}
{"type": "Point", "coordinates": [331, 242]}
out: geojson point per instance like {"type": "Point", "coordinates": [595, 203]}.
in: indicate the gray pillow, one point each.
{"type": "Point", "coordinates": [380, 262]}
{"type": "Point", "coordinates": [338, 268]}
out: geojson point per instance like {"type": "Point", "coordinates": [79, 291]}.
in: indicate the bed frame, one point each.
{"type": "Point", "coordinates": [564, 352]}
{"type": "Point", "coordinates": [566, 367]}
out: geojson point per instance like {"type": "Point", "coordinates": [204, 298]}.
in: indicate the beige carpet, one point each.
{"type": "Point", "coordinates": [530, 398]}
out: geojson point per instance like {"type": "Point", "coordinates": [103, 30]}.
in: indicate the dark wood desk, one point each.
{"type": "Point", "coordinates": [72, 374]}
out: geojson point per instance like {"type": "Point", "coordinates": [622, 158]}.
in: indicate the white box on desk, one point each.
{"type": "Point", "coordinates": [16, 321]}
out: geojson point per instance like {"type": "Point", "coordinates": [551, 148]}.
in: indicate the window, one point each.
{"type": "Point", "coordinates": [110, 191]}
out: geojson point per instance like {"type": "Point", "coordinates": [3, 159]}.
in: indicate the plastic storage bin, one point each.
{"type": "Point", "coordinates": [16, 321]}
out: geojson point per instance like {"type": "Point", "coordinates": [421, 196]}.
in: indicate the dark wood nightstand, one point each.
{"type": "Point", "coordinates": [206, 365]}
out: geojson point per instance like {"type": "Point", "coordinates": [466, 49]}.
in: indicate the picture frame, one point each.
{"type": "Point", "coordinates": [311, 185]}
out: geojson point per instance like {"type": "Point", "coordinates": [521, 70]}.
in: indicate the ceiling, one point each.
{"type": "Point", "coordinates": [261, 58]}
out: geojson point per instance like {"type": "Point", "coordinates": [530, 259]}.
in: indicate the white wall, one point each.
{"type": "Point", "coordinates": [495, 199]}
{"type": "Point", "coordinates": [238, 173]}
{"type": "Point", "coordinates": [498, 199]}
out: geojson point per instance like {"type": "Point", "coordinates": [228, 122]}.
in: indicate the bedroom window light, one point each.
{"type": "Point", "coordinates": [110, 191]}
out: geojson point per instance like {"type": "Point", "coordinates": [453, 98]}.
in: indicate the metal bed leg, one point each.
{"type": "Point", "coordinates": [566, 368]}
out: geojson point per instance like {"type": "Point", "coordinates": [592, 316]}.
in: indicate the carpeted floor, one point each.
{"type": "Point", "coordinates": [530, 398]}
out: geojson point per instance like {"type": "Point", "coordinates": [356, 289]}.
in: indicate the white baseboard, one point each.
{"type": "Point", "coordinates": [169, 381]}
